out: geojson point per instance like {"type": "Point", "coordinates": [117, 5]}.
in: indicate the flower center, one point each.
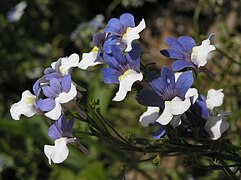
{"type": "Point", "coordinates": [124, 74]}
{"type": "Point", "coordinates": [127, 30]}
{"type": "Point", "coordinates": [29, 100]}
{"type": "Point", "coordinates": [95, 49]}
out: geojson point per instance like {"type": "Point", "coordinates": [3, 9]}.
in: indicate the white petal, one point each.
{"type": "Point", "coordinates": [216, 126]}
{"type": "Point", "coordinates": [176, 121]}
{"type": "Point", "coordinates": [66, 97]}
{"type": "Point", "coordinates": [150, 116]}
{"type": "Point", "coordinates": [192, 92]}
{"type": "Point", "coordinates": [177, 74]}
{"type": "Point", "coordinates": [165, 117]}
{"type": "Point", "coordinates": [132, 34]}
{"type": "Point", "coordinates": [88, 59]}
{"type": "Point", "coordinates": [214, 98]}
{"type": "Point", "coordinates": [25, 106]}
{"type": "Point", "coordinates": [200, 53]}
{"type": "Point", "coordinates": [55, 113]}
{"type": "Point", "coordinates": [126, 81]}
{"type": "Point", "coordinates": [59, 152]}
{"type": "Point", "coordinates": [174, 107]}
{"type": "Point", "coordinates": [68, 63]}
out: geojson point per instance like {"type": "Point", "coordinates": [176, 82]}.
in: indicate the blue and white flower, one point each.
{"type": "Point", "coordinates": [122, 70]}
{"type": "Point", "coordinates": [57, 93]}
{"type": "Point", "coordinates": [186, 53]}
{"type": "Point", "coordinates": [61, 133]}
{"type": "Point", "coordinates": [170, 94]}
{"type": "Point", "coordinates": [122, 32]}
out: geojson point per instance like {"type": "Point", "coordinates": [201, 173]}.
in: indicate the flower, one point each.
{"type": "Point", "coordinates": [61, 133]}
{"type": "Point", "coordinates": [16, 12]}
{"type": "Point", "coordinates": [26, 106]}
{"type": "Point", "coordinates": [93, 57]}
{"type": "Point", "coordinates": [122, 70]}
{"type": "Point", "coordinates": [122, 32]}
{"type": "Point", "coordinates": [56, 93]}
{"type": "Point", "coordinates": [186, 53]}
{"type": "Point", "coordinates": [168, 93]}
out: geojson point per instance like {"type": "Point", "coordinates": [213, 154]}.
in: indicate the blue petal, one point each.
{"type": "Point", "coordinates": [111, 61]}
{"type": "Point", "coordinates": [174, 44]}
{"type": "Point", "coordinates": [184, 82]}
{"type": "Point", "coordinates": [133, 57]}
{"type": "Point", "coordinates": [66, 83]}
{"type": "Point", "coordinates": [160, 133]}
{"type": "Point", "coordinates": [49, 71]}
{"type": "Point", "coordinates": [168, 77]}
{"type": "Point", "coordinates": [54, 132]}
{"type": "Point", "coordinates": [158, 85]}
{"type": "Point", "coordinates": [107, 44]}
{"type": "Point", "coordinates": [149, 98]}
{"type": "Point", "coordinates": [181, 64]}
{"type": "Point", "coordinates": [118, 55]}
{"type": "Point", "coordinates": [113, 26]}
{"type": "Point", "coordinates": [36, 89]}
{"type": "Point", "coordinates": [127, 20]}
{"type": "Point", "coordinates": [187, 42]}
{"type": "Point", "coordinates": [70, 127]}
{"type": "Point", "coordinates": [46, 104]}
{"type": "Point", "coordinates": [171, 53]}
{"type": "Point", "coordinates": [49, 92]}
{"type": "Point", "coordinates": [110, 76]}
{"type": "Point", "coordinates": [55, 85]}
{"type": "Point", "coordinates": [200, 107]}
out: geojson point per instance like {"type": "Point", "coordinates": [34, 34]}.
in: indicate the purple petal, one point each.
{"type": "Point", "coordinates": [187, 42]}
{"type": "Point", "coordinates": [118, 55]}
{"type": "Point", "coordinates": [98, 39]}
{"type": "Point", "coordinates": [158, 85]}
{"type": "Point", "coordinates": [70, 127]}
{"type": "Point", "coordinates": [184, 82]}
{"type": "Point", "coordinates": [133, 57]}
{"type": "Point", "coordinates": [149, 98]}
{"type": "Point", "coordinates": [66, 83]}
{"type": "Point", "coordinates": [36, 89]}
{"type": "Point", "coordinates": [160, 133]}
{"type": "Point", "coordinates": [46, 104]}
{"type": "Point", "coordinates": [110, 41]}
{"type": "Point", "coordinates": [181, 64]}
{"type": "Point", "coordinates": [110, 76]}
{"type": "Point", "coordinates": [49, 92]}
{"type": "Point", "coordinates": [113, 26]}
{"type": "Point", "coordinates": [54, 131]}
{"type": "Point", "coordinates": [49, 71]}
{"type": "Point", "coordinates": [127, 20]}
{"type": "Point", "coordinates": [55, 85]}
{"type": "Point", "coordinates": [200, 107]}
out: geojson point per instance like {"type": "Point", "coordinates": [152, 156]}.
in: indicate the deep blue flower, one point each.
{"type": "Point", "coordinates": [186, 53]}
{"type": "Point", "coordinates": [123, 70]}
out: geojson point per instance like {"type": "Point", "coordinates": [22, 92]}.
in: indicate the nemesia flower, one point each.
{"type": "Point", "coordinates": [169, 94]}
{"type": "Point", "coordinates": [122, 32]}
{"type": "Point", "coordinates": [61, 133]}
{"type": "Point", "coordinates": [16, 12]}
{"type": "Point", "coordinates": [186, 53]}
{"type": "Point", "coordinates": [56, 93]}
{"type": "Point", "coordinates": [26, 106]}
{"type": "Point", "coordinates": [122, 70]}
{"type": "Point", "coordinates": [93, 57]}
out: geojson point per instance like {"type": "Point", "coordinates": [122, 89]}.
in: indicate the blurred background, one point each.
{"type": "Point", "coordinates": [50, 29]}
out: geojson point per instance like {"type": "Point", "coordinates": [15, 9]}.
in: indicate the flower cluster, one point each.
{"type": "Point", "coordinates": [170, 97]}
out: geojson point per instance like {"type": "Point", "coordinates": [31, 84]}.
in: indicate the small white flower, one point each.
{"type": "Point", "coordinates": [25, 106]}
{"type": "Point", "coordinates": [88, 59]}
{"type": "Point", "coordinates": [126, 81]}
{"type": "Point", "coordinates": [200, 53]}
{"type": "Point", "coordinates": [59, 152]}
{"type": "Point", "coordinates": [132, 34]}
{"type": "Point", "coordinates": [192, 92]}
{"type": "Point", "coordinates": [150, 116]}
{"type": "Point", "coordinates": [16, 13]}
{"type": "Point", "coordinates": [214, 98]}
{"type": "Point", "coordinates": [172, 108]}
{"type": "Point", "coordinates": [216, 126]}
